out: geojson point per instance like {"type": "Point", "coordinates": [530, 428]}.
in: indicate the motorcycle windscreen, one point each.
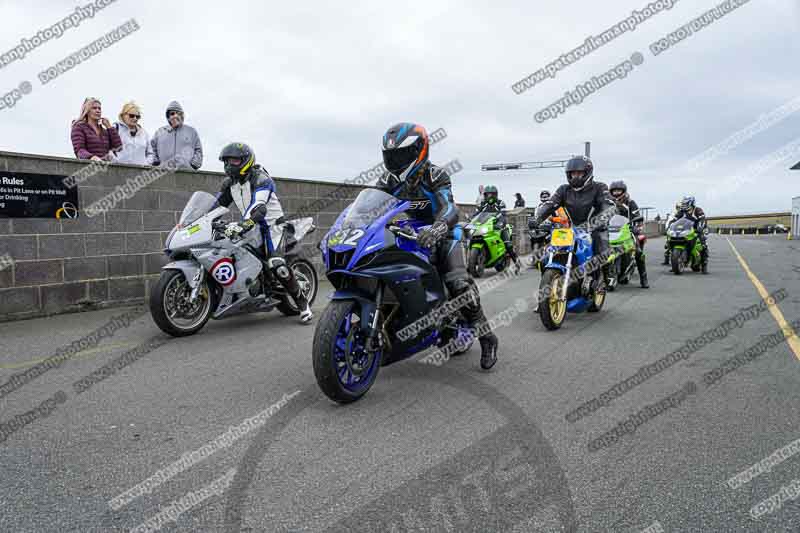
{"type": "Point", "coordinates": [616, 223]}
{"type": "Point", "coordinates": [483, 218]}
{"type": "Point", "coordinates": [368, 205]}
{"type": "Point", "coordinates": [683, 225]}
{"type": "Point", "coordinates": [198, 205]}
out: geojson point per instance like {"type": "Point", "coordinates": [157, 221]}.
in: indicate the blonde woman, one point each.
{"type": "Point", "coordinates": [136, 148]}
{"type": "Point", "coordinates": [92, 135]}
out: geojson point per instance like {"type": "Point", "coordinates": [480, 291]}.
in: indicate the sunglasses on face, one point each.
{"type": "Point", "coordinates": [173, 113]}
{"type": "Point", "coordinates": [137, 117]}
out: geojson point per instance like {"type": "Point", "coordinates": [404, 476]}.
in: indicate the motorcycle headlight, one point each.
{"type": "Point", "coordinates": [481, 231]}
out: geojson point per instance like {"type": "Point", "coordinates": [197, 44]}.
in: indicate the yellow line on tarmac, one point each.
{"type": "Point", "coordinates": [79, 354]}
{"type": "Point", "coordinates": [788, 332]}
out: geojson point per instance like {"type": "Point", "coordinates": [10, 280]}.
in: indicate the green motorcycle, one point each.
{"type": "Point", "coordinates": [684, 246]}
{"type": "Point", "coordinates": [622, 260]}
{"type": "Point", "coordinates": [485, 247]}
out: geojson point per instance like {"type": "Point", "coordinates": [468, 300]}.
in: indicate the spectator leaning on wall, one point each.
{"type": "Point", "coordinates": [136, 149]}
{"type": "Point", "coordinates": [175, 139]}
{"type": "Point", "coordinates": [520, 201]}
{"type": "Point", "coordinates": [92, 135]}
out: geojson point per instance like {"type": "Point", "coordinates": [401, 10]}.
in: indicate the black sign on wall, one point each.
{"type": "Point", "coordinates": [24, 195]}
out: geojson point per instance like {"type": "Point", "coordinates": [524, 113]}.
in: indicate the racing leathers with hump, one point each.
{"type": "Point", "coordinates": [411, 176]}
{"type": "Point", "coordinates": [628, 208]}
{"type": "Point", "coordinates": [491, 202]}
{"type": "Point", "coordinates": [585, 201]}
{"type": "Point", "coordinates": [251, 188]}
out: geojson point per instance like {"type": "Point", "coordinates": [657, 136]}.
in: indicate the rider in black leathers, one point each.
{"type": "Point", "coordinates": [411, 176]}
{"type": "Point", "coordinates": [628, 208]}
{"type": "Point", "coordinates": [251, 188]}
{"type": "Point", "coordinates": [585, 201]}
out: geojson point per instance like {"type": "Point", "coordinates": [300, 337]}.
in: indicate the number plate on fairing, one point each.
{"type": "Point", "coordinates": [562, 237]}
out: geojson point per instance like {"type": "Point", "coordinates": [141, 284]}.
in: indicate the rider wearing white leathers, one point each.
{"type": "Point", "coordinates": [252, 189]}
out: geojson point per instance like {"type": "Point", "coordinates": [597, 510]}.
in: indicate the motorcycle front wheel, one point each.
{"type": "Point", "coordinates": [171, 309]}
{"type": "Point", "coordinates": [477, 262]}
{"type": "Point", "coordinates": [344, 370]}
{"type": "Point", "coordinates": [677, 261]}
{"type": "Point", "coordinates": [553, 309]}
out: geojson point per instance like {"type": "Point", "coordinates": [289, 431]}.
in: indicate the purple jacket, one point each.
{"type": "Point", "coordinates": [86, 143]}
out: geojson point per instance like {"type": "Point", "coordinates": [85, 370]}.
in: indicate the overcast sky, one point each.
{"type": "Point", "coordinates": [312, 86]}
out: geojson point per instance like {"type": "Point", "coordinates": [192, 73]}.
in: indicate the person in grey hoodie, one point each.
{"type": "Point", "coordinates": [175, 140]}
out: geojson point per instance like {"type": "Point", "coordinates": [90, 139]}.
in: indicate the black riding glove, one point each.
{"type": "Point", "coordinates": [433, 234]}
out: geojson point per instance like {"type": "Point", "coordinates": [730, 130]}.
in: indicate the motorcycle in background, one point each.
{"type": "Point", "coordinates": [684, 246]}
{"type": "Point", "coordinates": [486, 248]}
{"type": "Point", "coordinates": [623, 258]}
{"type": "Point", "coordinates": [212, 276]}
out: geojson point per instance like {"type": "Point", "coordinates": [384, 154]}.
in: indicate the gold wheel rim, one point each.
{"type": "Point", "coordinates": [558, 308]}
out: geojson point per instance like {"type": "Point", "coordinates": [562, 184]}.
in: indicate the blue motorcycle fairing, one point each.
{"type": "Point", "coordinates": [413, 281]}
{"type": "Point", "coordinates": [582, 253]}
{"type": "Point", "coordinates": [366, 300]}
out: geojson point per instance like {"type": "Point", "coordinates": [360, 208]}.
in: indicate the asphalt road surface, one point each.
{"type": "Point", "coordinates": [448, 448]}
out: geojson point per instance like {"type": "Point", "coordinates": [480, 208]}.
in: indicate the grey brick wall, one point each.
{"type": "Point", "coordinates": [114, 258]}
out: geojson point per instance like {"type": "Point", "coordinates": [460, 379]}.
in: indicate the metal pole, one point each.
{"type": "Point", "coordinates": [588, 148]}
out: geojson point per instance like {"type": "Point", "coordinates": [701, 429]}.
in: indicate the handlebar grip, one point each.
{"type": "Point", "coordinates": [397, 230]}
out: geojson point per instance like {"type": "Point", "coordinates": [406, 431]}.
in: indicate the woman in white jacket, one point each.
{"type": "Point", "coordinates": [136, 149]}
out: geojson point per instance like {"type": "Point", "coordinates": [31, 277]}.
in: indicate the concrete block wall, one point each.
{"type": "Point", "coordinates": [114, 258]}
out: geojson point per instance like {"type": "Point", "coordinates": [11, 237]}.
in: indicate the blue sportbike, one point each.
{"type": "Point", "coordinates": [563, 287]}
{"type": "Point", "coordinates": [384, 308]}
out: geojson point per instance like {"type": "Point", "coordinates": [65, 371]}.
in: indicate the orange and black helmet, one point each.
{"type": "Point", "coordinates": [405, 150]}
{"type": "Point", "coordinates": [238, 159]}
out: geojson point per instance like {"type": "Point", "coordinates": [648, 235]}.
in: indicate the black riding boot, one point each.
{"type": "Point", "coordinates": [642, 268]}
{"type": "Point", "coordinates": [286, 278]}
{"type": "Point", "coordinates": [473, 312]}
